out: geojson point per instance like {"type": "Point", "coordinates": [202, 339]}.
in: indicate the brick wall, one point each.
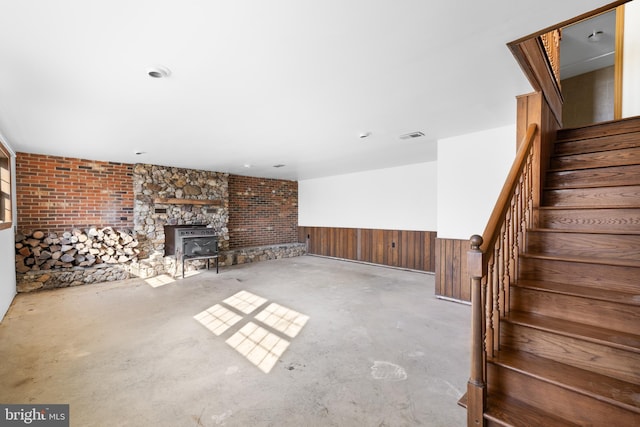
{"type": "Point", "coordinates": [56, 194]}
{"type": "Point", "coordinates": [262, 211]}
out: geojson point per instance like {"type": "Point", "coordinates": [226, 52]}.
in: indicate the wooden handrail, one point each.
{"type": "Point", "coordinates": [490, 232]}
{"type": "Point", "coordinates": [492, 263]}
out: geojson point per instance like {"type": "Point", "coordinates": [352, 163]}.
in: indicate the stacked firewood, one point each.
{"type": "Point", "coordinates": [77, 248]}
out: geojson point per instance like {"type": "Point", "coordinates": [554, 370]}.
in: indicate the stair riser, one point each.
{"type": "Point", "coordinates": [601, 177]}
{"type": "Point", "coordinates": [588, 219]}
{"type": "Point", "coordinates": [618, 127]}
{"type": "Point", "coordinates": [606, 143]}
{"type": "Point", "coordinates": [606, 360]}
{"type": "Point", "coordinates": [583, 410]}
{"type": "Point", "coordinates": [619, 317]}
{"type": "Point", "coordinates": [623, 279]}
{"type": "Point", "coordinates": [598, 246]}
{"type": "Point", "coordinates": [626, 156]}
{"type": "Point", "coordinates": [623, 197]}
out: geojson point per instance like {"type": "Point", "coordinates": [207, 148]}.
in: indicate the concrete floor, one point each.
{"type": "Point", "coordinates": [316, 342]}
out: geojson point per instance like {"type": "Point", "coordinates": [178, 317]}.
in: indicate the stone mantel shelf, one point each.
{"type": "Point", "coordinates": [163, 201]}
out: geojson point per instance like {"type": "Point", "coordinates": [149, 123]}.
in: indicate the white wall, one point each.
{"type": "Point", "coordinates": [7, 258]}
{"type": "Point", "coordinates": [400, 198]}
{"type": "Point", "coordinates": [7, 270]}
{"type": "Point", "coordinates": [472, 169]}
{"type": "Point", "coordinates": [631, 62]}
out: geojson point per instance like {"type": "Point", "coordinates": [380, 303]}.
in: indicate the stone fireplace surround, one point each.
{"type": "Point", "coordinates": [175, 196]}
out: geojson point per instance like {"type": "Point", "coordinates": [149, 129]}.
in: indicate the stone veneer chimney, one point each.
{"type": "Point", "coordinates": [173, 196]}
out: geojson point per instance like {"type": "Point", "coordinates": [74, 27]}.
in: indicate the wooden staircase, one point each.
{"type": "Point", "coordinates": [569, 350]}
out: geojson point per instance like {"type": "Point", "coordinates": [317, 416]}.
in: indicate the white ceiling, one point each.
{"type": "Point", "coordinates": [579, 54]}
{"type": "Point", "coordinates": [261, 83]}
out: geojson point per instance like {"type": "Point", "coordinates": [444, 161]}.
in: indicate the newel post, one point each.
{"type": "Point", "coordinates": [476, 386]}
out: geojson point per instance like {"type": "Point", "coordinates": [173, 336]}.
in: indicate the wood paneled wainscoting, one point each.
{"type": "Point", "coordinates": [413, 250]}
{"type": "Point", "coordinates": [452, 280]}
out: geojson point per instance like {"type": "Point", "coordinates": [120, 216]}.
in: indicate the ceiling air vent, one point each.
{"type": "Point", "coordinates": [412, 135]}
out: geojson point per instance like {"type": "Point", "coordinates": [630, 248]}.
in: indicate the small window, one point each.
{"type": "Point", "coordinates": [5, 188]}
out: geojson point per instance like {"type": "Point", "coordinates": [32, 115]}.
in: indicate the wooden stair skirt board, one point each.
{"type": "Point", "coordinates": [570, 341]}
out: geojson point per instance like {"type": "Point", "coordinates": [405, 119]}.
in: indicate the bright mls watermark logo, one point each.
{"type": "Point", "coordinates": [34, 415]}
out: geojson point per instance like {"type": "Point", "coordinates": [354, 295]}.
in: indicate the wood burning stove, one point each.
{"type": "Point", "coordinates": [191, 242]}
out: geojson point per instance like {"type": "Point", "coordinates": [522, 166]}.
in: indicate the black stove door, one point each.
{"type": "Point", "coordinates": [200, 246]}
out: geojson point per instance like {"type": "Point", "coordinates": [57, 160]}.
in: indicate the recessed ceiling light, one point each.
{"type": "Point", "coordinates": [159, 72]}
{"type": "Point", "coordinates": [247, 165]}
{"type": "Point", "coordinates": [137, 153]}
{"type": "Point", "coordinates": [279, 166]}
{"type": "Point", "coordinates": [412, 135]}
{"type": "Point", "coordinates": [596, 36]}
{"type": "Point", "coordinates": [364, 135]}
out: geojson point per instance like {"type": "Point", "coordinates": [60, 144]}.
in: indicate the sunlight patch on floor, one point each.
{"type": "Point", "coordinates": [264, 338]}
{"type": "Point", "coordinates": [245, 301]}
{"type": "Point", "coordinates": [161, 280]}
{"type": "Point", "coordinates": [217, 319]}
{"type": "Point", "coordinates": [259, 346]}
{"type": "Point", "coordinates": [283, 319]}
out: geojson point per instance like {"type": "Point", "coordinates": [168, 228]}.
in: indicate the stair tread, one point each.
{"type": "Point", "coordinates": [562, 139]}
{"type": "Point", "coordinates": [508, 411]}
{"type": "Point", "coordinates": [606, 220]}
{"type": "Point", "coordinates": [593, 231]}
{"type": "Point", "coordinates": [608, 128]}
{"type": "Point", "coordinates": [581, 291]}
{"type": "Point", "coordinates": [621, 196]}
{"type": "Point", "coordinates": [585, 260]}
{"type": "Point", "coordinates": [580, 162]}
{"type": "Point", "coordinates": [610, 176]}
{"type": "Point", "coordinates": [596, 154]}
{"type": "Point", "coordinates": [553, 170]}
{"type": "Point", "coordinates": [604, 206]}
{"type": "Point", "coordinates": [596, 144]}
{"type": "Point", "coordinates": [610, 247]}
{"type": "Point", "coordinates": [603, 336]}
{"type": "Point", "coordinates": [621, 187]}
{"type": "Point", "coordinates": [586, 207]}
{"type": "Point", "coordinates": [595, 169]}
{"type": "Point", "coordinates": [585, 186]}
{"type": "Point", "coordinates": [598, 386]}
